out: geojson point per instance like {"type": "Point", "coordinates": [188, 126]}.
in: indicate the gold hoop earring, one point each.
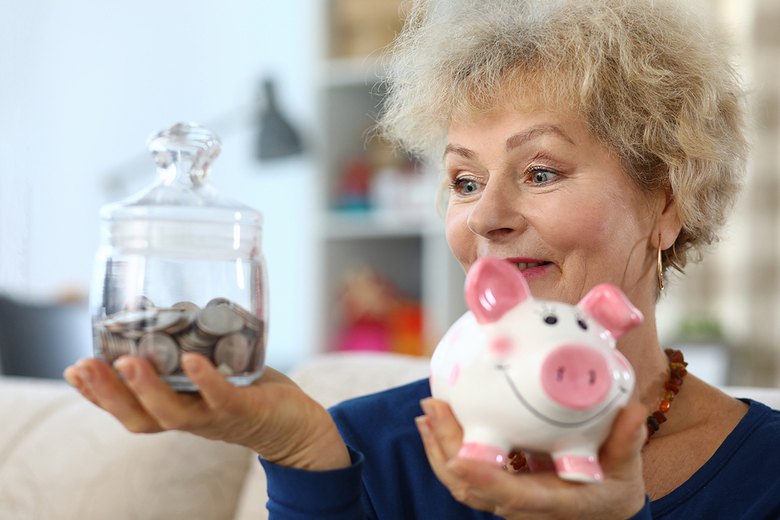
{"type": "Point", "coordinates": [660, 266]}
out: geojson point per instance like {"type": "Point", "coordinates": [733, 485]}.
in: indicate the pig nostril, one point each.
{"type": "Point", "coordinates": [559, 374]}
{"type": "Point", "coordinates": [592, 377]}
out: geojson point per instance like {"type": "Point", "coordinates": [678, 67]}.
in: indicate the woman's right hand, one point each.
{"type": "Point", "coordinates": [272, 416]}
{"type": "Point", "coordinates": [539, 495]}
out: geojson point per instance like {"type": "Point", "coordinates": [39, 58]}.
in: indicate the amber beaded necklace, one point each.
{"type": "Point", "coordinates": [677, 371]}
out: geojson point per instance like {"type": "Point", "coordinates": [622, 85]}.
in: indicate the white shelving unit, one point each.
{"type": "Point", "coordinates": [405, 245]}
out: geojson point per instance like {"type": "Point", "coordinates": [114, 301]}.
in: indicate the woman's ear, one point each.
{"type": "Point", "coordinates": [668, 225]}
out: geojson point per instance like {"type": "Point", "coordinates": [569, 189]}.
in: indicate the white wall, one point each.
{"type": "Point", "coordinates": [83, 83]}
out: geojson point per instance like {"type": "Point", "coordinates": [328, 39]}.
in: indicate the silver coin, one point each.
{"type": "Point", "coordinates": [219, 320]}
{"type": "Point", "coordinates": [161, 351]}
{"type": "Point", "coordinates": [138, 303]}
{"type": "Point", "coordinates": [216, 302]}
{"type": "Point", "coordinates": [225, 370]}
{"type": "Point", "coordinates": [134, 334]}
{"type": "Point", "coordinates": [103, 334]}
{"type": "Point", "coordinates": [193, 340]}
{"type": "Point", "coordinates": [250, 320]}
{"type": "Point", "coordinates": [116, 346]}
{"type": "Point", "coordinates": [172, 321]}
{"type": "Point", "coordinates": [234, 351]}
{"type": "Point", "coordinates": [123, 321]}
{"type": "Point", "coordinates": [188, 307]}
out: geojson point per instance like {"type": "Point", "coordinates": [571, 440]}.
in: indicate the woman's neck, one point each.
{"type": "Point", "coordinates": [651, 366]}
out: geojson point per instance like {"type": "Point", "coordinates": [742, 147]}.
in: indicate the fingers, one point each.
{"type": "Point", "coordinates": [169, 409]}
{"type": "Point", "coordinates": [433, 450]}
{"type": "Point", "coordinates": [442, 436]}
{"type": "Point", "coordinates": [498, 490]}
{"type": "Point", "coordinates": [98, 383]}
{"type": "Point", "coordinates": [448, 431]}
{"type": "Point", "coordinates": [143, 402]}
{"type": "Point", "coordinates": [71, 375]}
{"type": "Point", "coordinates": [621, 452]}
{"type": "Point", "coordinates": [217, 392]}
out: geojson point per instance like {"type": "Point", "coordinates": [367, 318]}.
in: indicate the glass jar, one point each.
{"type": "Point", "coordinates": [179, 269]}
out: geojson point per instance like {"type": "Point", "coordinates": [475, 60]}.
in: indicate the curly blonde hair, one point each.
{"type": "Point", "coordinates": [653, 82]}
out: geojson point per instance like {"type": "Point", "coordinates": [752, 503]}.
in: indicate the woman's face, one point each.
{"type": "Point", "coordinates": [539, 190]}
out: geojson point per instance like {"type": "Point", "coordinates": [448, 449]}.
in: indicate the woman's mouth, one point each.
{"type": "Point", "coordinates": [530, 267]}
{"type": "Point", "coordinates": [526, 265]}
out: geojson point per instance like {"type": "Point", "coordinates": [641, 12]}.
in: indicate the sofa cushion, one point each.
{"type": "Point", "coordinates": [63, 458]}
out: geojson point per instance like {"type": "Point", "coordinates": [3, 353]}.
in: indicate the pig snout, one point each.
{"type": "Point", "coordinates": [576, 376]}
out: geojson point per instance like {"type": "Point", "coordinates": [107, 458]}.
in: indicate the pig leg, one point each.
{"type": "Point", "coordinates": [485, 446]}
{"type": "Point", "coordinates": [579, 466]}
{"type": "Point", "coordinates": [483, 452]}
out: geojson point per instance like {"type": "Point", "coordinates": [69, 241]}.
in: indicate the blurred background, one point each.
{"type": "Point", "coordinates": [356, 254]}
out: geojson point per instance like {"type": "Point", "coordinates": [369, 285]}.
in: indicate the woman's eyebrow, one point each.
{"type": "Point", "coordinates": [515, 140]}
{"type": "Point", "coordinates": [535, 132]}
{"type": "Point", "coordinates": [459, 150]}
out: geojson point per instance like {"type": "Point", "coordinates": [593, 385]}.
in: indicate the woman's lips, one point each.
{"type": "Point", "coordinates": [531, 268]}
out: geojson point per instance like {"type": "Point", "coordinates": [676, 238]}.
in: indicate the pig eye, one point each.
{"type": "Point", "coordinates": [551, 319]}
{"type": "Point", "coordinates": [583, 325]}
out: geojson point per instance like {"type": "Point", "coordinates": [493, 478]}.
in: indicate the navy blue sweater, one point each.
{"type": "Point", "coordinates": [390, 477]}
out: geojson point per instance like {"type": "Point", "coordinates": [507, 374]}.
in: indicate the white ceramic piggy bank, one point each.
{"type": "Point", "coordinates": [535, 375]}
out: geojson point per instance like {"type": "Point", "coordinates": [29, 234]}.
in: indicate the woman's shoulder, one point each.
{"type": "Point", "coordinates": [761, 424]}
{"type": "Point", "coordinates": [740, 480]}
{"type": "Point", "coordinates": [769, 397]}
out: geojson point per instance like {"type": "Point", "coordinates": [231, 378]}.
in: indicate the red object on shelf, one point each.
{"type": "Point", "coordinates": [406, 323]}
{"type": "Point", "coordinates": [355, 184]}
{"type": "Point", "coordinates": [376, 317]}
{"type": "Point", "coordinates": [365, 335]}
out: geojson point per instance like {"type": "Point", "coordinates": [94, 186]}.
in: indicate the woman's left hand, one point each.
{"type": "Point", "coordinates": [539, 495]}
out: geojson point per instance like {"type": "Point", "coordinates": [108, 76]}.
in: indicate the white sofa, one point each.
{"type": "Point", "coordinates": [61, 458]}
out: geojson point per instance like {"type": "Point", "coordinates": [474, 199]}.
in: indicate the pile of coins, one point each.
{"type": "Point", "coordinates": [223, 331]}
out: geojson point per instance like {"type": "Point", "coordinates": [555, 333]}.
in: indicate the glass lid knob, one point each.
{"type": "Point", "coordinates": [185, 148]}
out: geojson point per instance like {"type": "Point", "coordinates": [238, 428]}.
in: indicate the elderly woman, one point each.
{"type": "Point", "coordinates": [584, 141]}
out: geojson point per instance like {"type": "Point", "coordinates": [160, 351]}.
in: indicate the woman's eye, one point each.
{"type": "Point", "coordinates": [464, 186]}
{"type": "Point", "coordinates": [542, 176]}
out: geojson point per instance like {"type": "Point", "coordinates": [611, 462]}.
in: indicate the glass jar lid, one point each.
{"type": "Point", "coordinates": [182, 191]}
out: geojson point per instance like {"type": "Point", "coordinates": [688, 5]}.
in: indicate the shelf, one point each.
{"type": "Point", "coordinates": [406, 245]}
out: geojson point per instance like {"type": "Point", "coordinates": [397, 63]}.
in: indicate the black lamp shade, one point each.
{"type": "Point", "coordinates": [277, 138]}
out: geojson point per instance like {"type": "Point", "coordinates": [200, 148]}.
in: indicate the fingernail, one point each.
{"type": "Point", "coordinates": [86, 375]}
{"type": "Point", "coordinates": [428, 407]}
{"type": "Point", "coordinates": [422, 425]}
{"type": "Point", "coordinates": [71, 376]}
{"type": "Point", "coordinates": [126, 367]}
{"type": "Point", "coordinates": [190, 363]}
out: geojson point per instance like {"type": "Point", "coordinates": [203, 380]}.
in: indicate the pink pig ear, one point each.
{"type": "Point", "coordinates": [610, 307]}
{"type": "Point", "coordinates": [493, 287]}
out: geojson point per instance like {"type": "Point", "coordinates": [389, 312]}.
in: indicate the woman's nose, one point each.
{"type": "Point", "coordinates": [496, 214]}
